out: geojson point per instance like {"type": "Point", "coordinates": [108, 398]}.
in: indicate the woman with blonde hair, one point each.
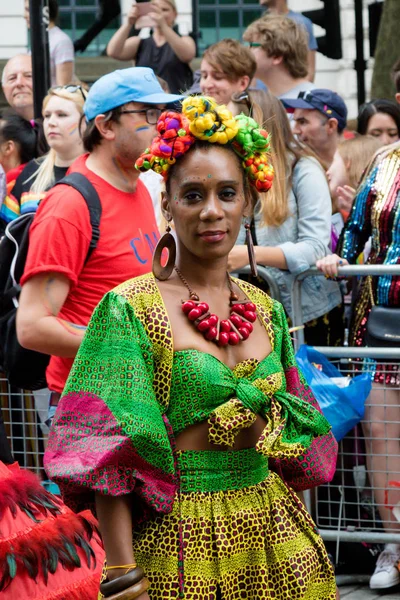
{"type": "Point", "coordinates": [292, 228]}
{"type": "Point", "coordinates": [347, 168]}
{"type": "Point", "coordinates": [62, 112]}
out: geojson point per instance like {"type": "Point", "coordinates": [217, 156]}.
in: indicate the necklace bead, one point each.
{"type": "Point", "coordinates": [233, 330]}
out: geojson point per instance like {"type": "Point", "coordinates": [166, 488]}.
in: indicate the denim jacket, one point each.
{"type": "Point", "coordinates": [304, 238]}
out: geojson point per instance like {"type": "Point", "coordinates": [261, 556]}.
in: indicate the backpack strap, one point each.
{"type": "Point", "coordinates": [81, 184]}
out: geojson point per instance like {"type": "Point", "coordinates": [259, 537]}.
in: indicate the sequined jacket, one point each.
{"type": "Point", "coordinates": [376, 214]}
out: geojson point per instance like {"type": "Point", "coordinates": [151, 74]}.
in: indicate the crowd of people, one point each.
{"type": "Point", "coordinates": [187, 443]}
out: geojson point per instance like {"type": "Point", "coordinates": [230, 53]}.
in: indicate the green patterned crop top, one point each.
{"type": "Point", "coordinates": [203, 387]}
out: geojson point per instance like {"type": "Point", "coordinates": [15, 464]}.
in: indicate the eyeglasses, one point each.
{"type": "Point", "coordinates": [71, 89]}
{"type": "Point", "coordinates": [152, 114]}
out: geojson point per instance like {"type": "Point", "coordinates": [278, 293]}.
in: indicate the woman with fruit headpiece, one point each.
{"type": "Point", "coordinates": [185, 418]}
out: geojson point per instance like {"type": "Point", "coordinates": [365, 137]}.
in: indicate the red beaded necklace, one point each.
{"type": "Point", "coordinates": [231, 331]}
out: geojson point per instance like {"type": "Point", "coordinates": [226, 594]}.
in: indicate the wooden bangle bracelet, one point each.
{"type": "Point", "coordinates": [121, 583]}
{"type": "Point", "coordinates": [132, 592]}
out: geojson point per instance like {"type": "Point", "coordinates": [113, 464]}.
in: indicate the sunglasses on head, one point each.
{"type": "Point", "coordinates": [243, 98]}
{"type": "Point", "coordinates": [71, 89]}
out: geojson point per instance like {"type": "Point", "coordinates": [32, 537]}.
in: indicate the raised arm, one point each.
{"type": "Point", "coordinates": [120, 46]}
{"type": "Point", "coordinates": [311, 65]}
{"type": "Point", "coordinates": [64, 73]}
{"type": "Point", "coordinates": [184, 47]}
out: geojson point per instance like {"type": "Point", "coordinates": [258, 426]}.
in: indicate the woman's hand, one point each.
{"type": "Point", "coordinates": [329, 264]}
{"type": "Point", "coordinates": [132, 15]}
{"type": "Point", "coordinates": [157, 16]}
{"type": "Point", "coordinates": [238, 258]}
{"type": "Point", "coordinates": [143, 596]}
{"type": "Point", "coordinates": [345, 197]}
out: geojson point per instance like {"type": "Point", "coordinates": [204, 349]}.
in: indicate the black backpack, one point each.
{"type": "Point", "coordinates": [26, 369]}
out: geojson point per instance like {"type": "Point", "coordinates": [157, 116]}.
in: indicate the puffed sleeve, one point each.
{"type": "Point", "coordinates": [305, 426]}
{"type": "Point", "coordinates": [109, 433]}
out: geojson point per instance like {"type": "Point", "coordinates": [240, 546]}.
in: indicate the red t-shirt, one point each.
{"type": "Point", "coordinates": [59, 239]}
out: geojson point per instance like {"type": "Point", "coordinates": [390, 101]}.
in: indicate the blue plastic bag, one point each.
{"type": "Point", "coordinates": [343, 407]}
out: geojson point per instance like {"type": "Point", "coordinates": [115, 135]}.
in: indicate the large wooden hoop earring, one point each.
{"type": "Point", "coordinates": [166, 241]}
{"type": "Point", "coordinates": [250, 250]}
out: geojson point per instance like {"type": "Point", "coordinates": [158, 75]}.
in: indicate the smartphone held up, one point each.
{"type": "Point", "coordinates": [143, 19]}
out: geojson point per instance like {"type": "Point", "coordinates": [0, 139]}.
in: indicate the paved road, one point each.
{"type": "Point", "coordinates": [362, 592]}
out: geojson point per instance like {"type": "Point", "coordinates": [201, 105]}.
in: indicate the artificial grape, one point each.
{"type": "Point", "coordinates": [238, 308]}
{"type": "Point", "coordinates": [233, 338]}
{"type": "Point", "coordinates": [211, 334]}
{"type": "Point", "coordinates": [250, 306]}
{"type": "Point", "coordinates": [244, 332]}
{"type": "Point", "coordinates": [248, 326]}
{"type": "Point", "coordinates": [225, 326]}
{"type": "Point", "coordinates": [236, 320]}
{"type": "Point", "coordinates": [203, 325]}
{"type": "Point", "coordinates": [194, 314]}
{"type": "Point", "coordinates": [204, 307]}
{"type": "Point", "coordinates": [223, 338]}
{"type": "Point", "coordinates": [213, 320]}
{"type": "Point", "coordinates": [250, 315]}
{"type": "Point", "coordinates": [187, 306]}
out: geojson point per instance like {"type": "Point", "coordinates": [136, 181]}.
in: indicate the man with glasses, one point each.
{"type": "Point", "coordinates": [280, 47]}
{"type": "Point", "coordinates": [319, 118]}
{"type": "Point", "coordinates": [280, 7]}
{"type": "Point", "coordinates": [59, 289]}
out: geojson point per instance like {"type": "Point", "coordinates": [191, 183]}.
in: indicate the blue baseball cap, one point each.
{"type": "Point", "coordinates": [136, 84]}
{"type": "Point", "coordinates": [325, 101]}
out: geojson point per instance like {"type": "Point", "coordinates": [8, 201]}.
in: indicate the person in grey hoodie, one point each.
{"type": "Point", "coordinates": [292, 224]}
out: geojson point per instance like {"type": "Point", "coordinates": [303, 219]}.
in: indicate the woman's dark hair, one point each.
{"type": "Point", "coordinates": [91, 136]}
{"type": "Point", "coordinates": [369, 109]}
{"type": "Point", "coordinates": [24, 133]}
{"type": "Point", "coordinates": [53, 10]}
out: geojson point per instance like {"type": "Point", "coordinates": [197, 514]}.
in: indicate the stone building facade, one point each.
{"type": "Point", "coordinates": [338, 75]}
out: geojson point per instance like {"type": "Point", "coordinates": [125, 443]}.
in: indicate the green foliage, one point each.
{"type": "Point", "coordinates": [387, 51]}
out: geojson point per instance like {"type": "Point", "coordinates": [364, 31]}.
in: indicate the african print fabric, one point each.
{"type": "Point", "coordinates": [128, 395]}
{"type": "Point", "coordinates": [256, 542]}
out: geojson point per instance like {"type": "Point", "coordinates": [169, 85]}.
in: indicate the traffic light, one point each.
{"type": "Point", "coordinates": [329, 19]}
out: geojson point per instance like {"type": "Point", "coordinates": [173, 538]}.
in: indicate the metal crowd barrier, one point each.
{"type": "Point", "coordinates": [347, 271]}
{"type": "Point", "coordinates": [267, 277]}
{"type": "Point", "coordinates": [346, 509]}
{"type": "Point", "coordinates": [24, 414]}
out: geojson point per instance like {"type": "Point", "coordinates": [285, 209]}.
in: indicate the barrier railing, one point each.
{"type": "Point", "coordinates": [348, 508]}
{"type": "Point", "coordinates": [347, 271]}
{"type": "Point", "coordinates": [267, 277]}
{"type": "Point", "coordinates": [24, 414]}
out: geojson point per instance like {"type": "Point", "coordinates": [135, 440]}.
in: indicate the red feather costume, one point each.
{"type": "Point", "coordinates": [47, 552]}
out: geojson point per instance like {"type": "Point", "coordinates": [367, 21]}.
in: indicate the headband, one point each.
{"type": "Point", "coordinates": [203, 119]}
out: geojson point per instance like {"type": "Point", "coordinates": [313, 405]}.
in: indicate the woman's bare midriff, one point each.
{"type": "Point", "coordinates": [195, 437]}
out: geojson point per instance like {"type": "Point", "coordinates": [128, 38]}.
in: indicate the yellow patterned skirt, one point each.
{"type": "Point", "coordinates": [235, 531]}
